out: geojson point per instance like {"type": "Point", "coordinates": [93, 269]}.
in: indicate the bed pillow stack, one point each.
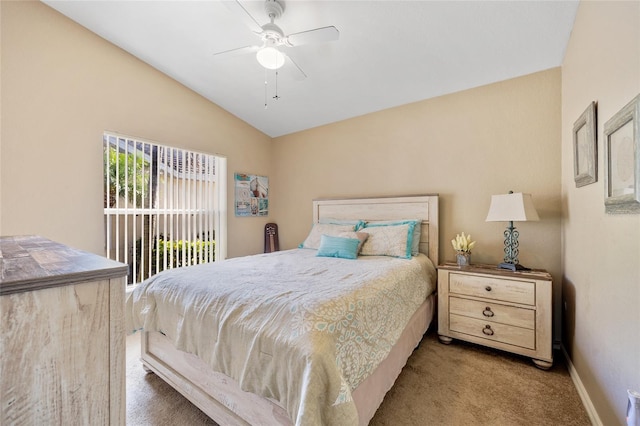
{"type": "Point", "coordinates": [349, 238]}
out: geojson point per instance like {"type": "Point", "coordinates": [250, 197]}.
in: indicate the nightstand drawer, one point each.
{"type": "Point", "coordinates": [493, 288]}
{"type": "Point", "coordinates": [517, 336]}
{"type": "Point", "coordinates": [493, 312]}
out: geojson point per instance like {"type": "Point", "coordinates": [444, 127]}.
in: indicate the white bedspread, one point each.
{"type": "Point", "coordinates": [301, 329]}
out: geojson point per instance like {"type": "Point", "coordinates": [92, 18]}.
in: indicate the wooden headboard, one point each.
{"type": "Point", "coordinates": [422, 207]}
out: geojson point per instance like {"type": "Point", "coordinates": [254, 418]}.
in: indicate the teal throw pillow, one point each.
{"type": "Point", "coordinates": [344, 248]}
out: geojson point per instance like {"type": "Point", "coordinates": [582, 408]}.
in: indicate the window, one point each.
{"type": "Point", "coordinates": [164, 207]}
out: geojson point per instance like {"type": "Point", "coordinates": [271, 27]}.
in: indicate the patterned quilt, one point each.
{"type": "Point", "coordinates": [300, 329]}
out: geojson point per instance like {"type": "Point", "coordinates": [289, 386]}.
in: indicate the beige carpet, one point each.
{"type": "Point", "coordinates": [457, 384]}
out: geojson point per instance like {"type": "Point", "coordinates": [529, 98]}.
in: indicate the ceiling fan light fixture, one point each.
{"type": "Point", "coordinates": [270, 58]}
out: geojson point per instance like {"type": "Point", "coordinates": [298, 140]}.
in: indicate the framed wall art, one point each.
{"type": "Point", "coordinates": [585, 155]}
{"type": "Point", "coordinates": [252, 195]}
{"type": "Point", "coordinates": [622, 160]}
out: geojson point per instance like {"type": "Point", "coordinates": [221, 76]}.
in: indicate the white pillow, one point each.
{"type": "Point", "coordinates": [313, 239]}
{"type": "Point", "coordinates": [417, 230]}
{"type": "Point", "coordinates": [392, 240]}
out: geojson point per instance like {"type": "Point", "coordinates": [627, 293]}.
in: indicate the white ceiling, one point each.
{"type": "Point", "coordinates": [389, 52]}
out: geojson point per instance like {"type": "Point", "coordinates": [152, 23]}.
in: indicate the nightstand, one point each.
{"type": "Point", "coordinates": [494, 307]}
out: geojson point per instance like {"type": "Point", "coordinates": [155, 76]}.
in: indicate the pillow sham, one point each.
{"type": "Point", "coordinates": [357, 223]}
{"type": "Point", "coordinates": [417, 231]}
{"type": "Point", "coordinates": [341, 247]}
{"type": "Point", "coordinates": [313, 239]}
{"type": "Point", "coordinates": [361, 236]}
{"type": "Point", "coordinates": [389, 240]}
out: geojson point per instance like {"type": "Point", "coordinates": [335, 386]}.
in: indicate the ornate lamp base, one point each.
{"type": "Point", "coordinates": [511, 250]}
{"type": "Point", "coordinates": [513, 267]}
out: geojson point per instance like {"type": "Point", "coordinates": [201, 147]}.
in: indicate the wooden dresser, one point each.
{"type": "Point", "coordinates": [497, 308]}
{"type": "Point", "coordinates": [62, 335]}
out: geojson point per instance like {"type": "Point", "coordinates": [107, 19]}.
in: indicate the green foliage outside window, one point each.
{"type": "Point", "coordinates": [195, 252]}
{"type": "Point", "coordinates": [128, 178]}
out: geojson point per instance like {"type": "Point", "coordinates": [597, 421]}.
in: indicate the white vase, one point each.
{"type": "Point", "coordinates": [633, 409]}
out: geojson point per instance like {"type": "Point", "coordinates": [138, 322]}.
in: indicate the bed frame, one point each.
{"type": "Point", "coordinates": [220, 397]}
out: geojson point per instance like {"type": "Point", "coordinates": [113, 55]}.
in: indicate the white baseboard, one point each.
{"type": "Point", "coordinates": [582, 392]}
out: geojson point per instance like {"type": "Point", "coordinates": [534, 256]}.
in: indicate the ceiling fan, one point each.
{"type": "Point", "coordinates": [269, 54]}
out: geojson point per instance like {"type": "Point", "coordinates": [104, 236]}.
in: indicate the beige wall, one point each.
{"type": "Point", "coordinates": [62, 86]}
{"type": "Point", "coordinates": [601, 252]}
{"type": "Point", "coordinates": [465, 146]}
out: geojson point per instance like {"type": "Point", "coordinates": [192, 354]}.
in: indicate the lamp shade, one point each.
{"type": "Point", "coordinates": [516, 207]}
{"type": "Point", "coordinates": [270, 58]}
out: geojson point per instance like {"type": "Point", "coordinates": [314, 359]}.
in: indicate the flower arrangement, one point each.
{"type": "Point", "coordinates": [463, 244]}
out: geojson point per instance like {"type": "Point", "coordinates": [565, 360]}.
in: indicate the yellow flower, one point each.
{"type": "Point", "coordinates": [463, 243]}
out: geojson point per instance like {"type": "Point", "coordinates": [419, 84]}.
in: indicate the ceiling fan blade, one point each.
{"type": "Point", "coordinates": [319, 35]}
{"type": "Point", "coordinates": [236, 52]}
{"type": "Point", "coordinates": [237, 9]}
{"type": "Point", "coordinates": [293, 69]}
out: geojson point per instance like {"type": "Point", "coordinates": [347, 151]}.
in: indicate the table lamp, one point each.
{"type": "Point", "coordinates": [511, 208]}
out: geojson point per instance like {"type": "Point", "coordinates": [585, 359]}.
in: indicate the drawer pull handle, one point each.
{"type": "Point", "coordinates": [488, 288]}
{"type": "Point", "coordinates": [488, 312]}
{"type": "Point", "coordinates": [487, 330]}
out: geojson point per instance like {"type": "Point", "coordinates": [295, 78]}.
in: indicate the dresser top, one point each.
{"type": "Point", "coordinates": [538, 274]}
{"type": "Point", "coordinates": [31, 262]}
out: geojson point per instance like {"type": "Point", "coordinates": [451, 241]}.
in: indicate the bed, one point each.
{"type": "Point", "coordinates": [317, 357]}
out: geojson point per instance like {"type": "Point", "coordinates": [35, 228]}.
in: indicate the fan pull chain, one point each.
{"type": "Point", "coordinates": [276, 97]}
{"type": "Point", "coordinates": [265, 88]}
